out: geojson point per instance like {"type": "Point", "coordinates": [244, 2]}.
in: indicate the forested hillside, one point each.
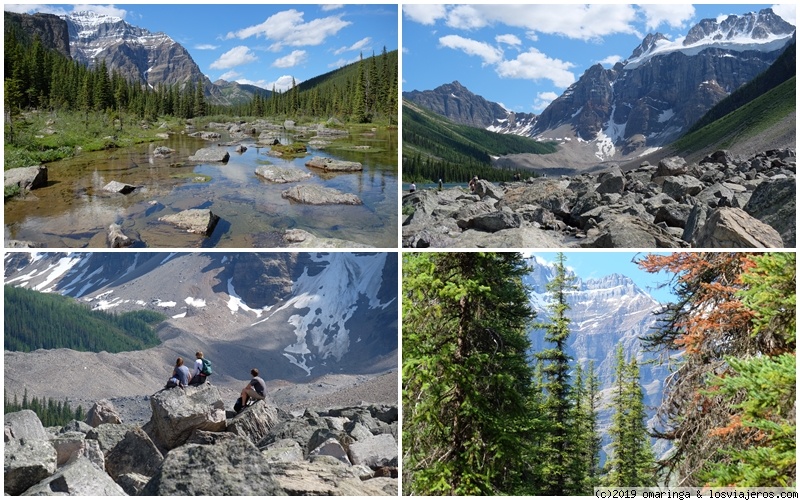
{"type": "Point", "coordinates": [436, 148]}
{"type": "Point", "coordinates": [35, 320]}
{"type": "Point", "coordinates": [485, 416]}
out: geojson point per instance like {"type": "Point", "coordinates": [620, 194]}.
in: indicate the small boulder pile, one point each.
{"type": "Point", "coordinates": [192, 445]}
{"type": "Point", "coordinates": [721, 202]}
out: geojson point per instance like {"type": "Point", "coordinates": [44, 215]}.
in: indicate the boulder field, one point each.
{"type": "Point", "coordinates": [192, 445]}
{"type": "Point", "coordinates": [721, 202]}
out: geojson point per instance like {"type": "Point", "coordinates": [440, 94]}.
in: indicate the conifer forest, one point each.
{"type": "Point", "coordinates": [484, 415]}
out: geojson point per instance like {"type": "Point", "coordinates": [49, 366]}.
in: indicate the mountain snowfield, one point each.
{"type": "Point", "coordinates": [298, 316]}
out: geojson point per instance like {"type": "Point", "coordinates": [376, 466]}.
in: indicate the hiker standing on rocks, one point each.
{"type": "Point", "coordinates": [256, 389]}
{"type": "Point", "coordinates": [180, 375]}
{"type": "Point", "coordinates": [198, 378]}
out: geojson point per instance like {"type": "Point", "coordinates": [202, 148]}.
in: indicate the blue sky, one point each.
{"type": "Point", "coordinates": [594, 264]}
{"type": "Point", "coordinates": [524, 56]}
{"type": "Point", "coordinates": [261, 44]}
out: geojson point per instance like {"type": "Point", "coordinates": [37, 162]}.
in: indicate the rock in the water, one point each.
{"type": "Point", "coordinates": [331, 165]}
{"type": "Point", "coordinates": [179, 412]}
{"type": "Point", "coordinates": [281, 175]}
{"type": "Point", "coordinates": [320, 195]}
{"type": "Point", "coordinates": [26, 463]}
{"type": "Point", "coordinates": [78, 478]}
{"type": "Point", "coordinates": [116, 238]}
{"type": "Point", "coordinates": [195, 220]}
{"type": "Point", "coordinates": [299, 238]}
{"type": "Point", "coordinates": [734, 228]}
{"type": "Point", "coordinates": [231, 468]}
{"type": "Point", "coordinates": [214, 155]}
{"type": "Point", "coordinates": [119, 187]}
{"type": "Point", "coordinates": [26, 178]}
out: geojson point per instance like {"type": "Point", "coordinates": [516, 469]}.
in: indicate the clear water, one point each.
{"type": "Point", "coordinates": [73, 211]}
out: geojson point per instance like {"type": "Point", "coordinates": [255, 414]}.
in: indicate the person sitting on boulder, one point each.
{"type": "Point", "coordinates": [198, 377]}
{"type": "Point", "coordinates": [256, 389]}
{"type": "Point", "coordinates": [180, 375]}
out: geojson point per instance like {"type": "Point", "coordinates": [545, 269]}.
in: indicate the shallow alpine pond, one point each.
{"type": "Point", "coordinates": [74, 211]}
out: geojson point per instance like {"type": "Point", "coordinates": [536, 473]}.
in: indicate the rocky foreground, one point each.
{"type": "Point", "coordinates": [193, 446]}
{"type": "Point", "coordinates": [721, 202]}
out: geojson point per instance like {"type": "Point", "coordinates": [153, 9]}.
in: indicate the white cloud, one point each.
{"type": "Point", "coordinates": [466, 17]}
{"type": "Point", "coordinates": [344, 62]}
{"type": "Point", "coordinates": [356, 46]}
{"type": "Point", "coordinates": [289, 28]}
{"type": "Point", "coordinates": [108, 10]}
{"type": "Point", "coordinates": [787, 11]}
{"type": "Point", "coordinates": [230, 75]}
{"type": "Point", "coordinates": [489, 54]}
{"type": "Point", "coordinates": [673, 15]}
{"type": "Point", "coordinates": [206, 46]}
{"type": "Point", "coordinates": [282, 84]}
{"type": "Point", "coordinates": [611, 60]}
{"type": "Point", "coordinates": [543, 99]}
{"type": "Point", "coordinates": [296, 58]}
{"type": "Point", "coordinates": [424, 14]}
{"type": "Point", "coordinates": [534, 65]}
{"type": "Point", "coordinates": [31, 8]}
{"type": "Point", "coordinates": [234, 57]}
{"type": "Point", "coordinates": [332, 6]}
{"type": "Point", "coordinates": [512, 40]}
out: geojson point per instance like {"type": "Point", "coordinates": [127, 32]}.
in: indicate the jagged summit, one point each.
{"type": "Point", "coordinates": [763, 31]}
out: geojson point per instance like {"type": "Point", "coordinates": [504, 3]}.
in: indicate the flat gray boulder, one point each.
{"type": "Point", "coordinates": [78, 478]}
{"type": "Point", "coordinates": [26, 462]}
{"type": "Point", "coordinates": [374, 452]}
{"type": "Point", "coordinates": [327, 476]}
{"type": "Point", "coordinates": [23, 424]}
{"type": "Point", "coordinates": [320, 195]}
{"type": "Point", "coordinates": [119, 187]}
{"type": "Point", "coordinates": [213, 155]}
{"type": "Point", "coordinates": [734, 228]}
{"type": "Point", "coordinates": [195, 220]}
{"type": "Point", "coordinates": [300, 238]}
{"type": "Point", "coordinates": [331, 165]}
{"type": "Point", "coordinates": [177, 413]}
{"type": "Point", "coordinates": [26, 178]}
{"type": "Point", "coordinates": [281, 175]}
{"type": "Point", "coordinates": [135, 453]}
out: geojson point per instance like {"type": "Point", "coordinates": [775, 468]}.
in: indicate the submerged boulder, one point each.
{"type": "Point", "coordinates": [320, 195]}
{"type": "Point", "coordinates": [195, 220]}
{"type": "Point", "coordinates": [332, 165]}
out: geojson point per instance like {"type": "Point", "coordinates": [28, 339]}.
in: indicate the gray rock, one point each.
{"type": "Point", "coordinates": [716, 195]}
{"type": "Point", "coordinates": [119, 187]}
{"type": "Point", "coordinates": [300, 238]}
{"type": "Point", "coordinates": [116, 238]}
{"type": "Point", "coordinates": [611, 181]}
{"type": "Point", "coordinates": [696, 220]}
{"type": "Point", "coordinates": [26, 178]}
{"type": "Point", "coordinates": [281, 175]}
{"type": "Point", "coordinates": [132, 483]}
{"type": "Point", "coordinates": [135, 453]}
{"type": "Point", "coordinates": [678, 187]}
{"type": "Point", "coordinates": [331, 448]}
{"type": "Point", "coordinates": [378, 451]}
{"type": "Point", "coordinates": [775, 203]}
{"type": "Point", "coordinates": [103, 412]}
{"type": "Point", "coordinates": [23, 424]}
{"type": "Point", "coordinates": [671, 166]}
{"type": "Point", "coordinates": [320, 195]}
{"type": "Point", "coordinates": [76, 426]}
{"type": "Point", "coordinates": [626, 231]}
{"type": "Point", "coordinates": [254, 422]}
{"type": "Point", "coordinates": [240, 149]}
{"type": "Point", "coordinates": [108, 435]}
{"type": "Point", "coordinates": [674, 214]}
{"type": "Point", "coordinates": [486, 189]}
{"type": "Point", "coordinates": [78, 478]}
{"type": "Point", "coordinates": [325, 478]}
{"type": "Point", "coordinates": [178, 412]}
{"type": "Point", "coordinates": [283, 450]}
{"type": "Point", "coordinates": [26, 462]}
{"type": "Point", "coordinates": [332, 165]}
{"type": "Point", "coordinates": [234, 468]}
{"type": "Point", "coordinates": [162, 152]}
{"type": "Point", "coordinates": [495, 221]}
{"type": "Point", "coordinates": [214, 155]}
{"type": "Point", "coordinates": [734, 228]}
{"type": "Point", "coordinates": [68, 446]}
{"type": "Point", "coordinates": [195, 220]}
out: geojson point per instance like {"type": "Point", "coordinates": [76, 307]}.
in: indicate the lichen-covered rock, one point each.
{"type": "Point", "coordinates": [26, 462]}
{"type": "Point", "coordinates": [103, 412]}
{"type": "Point", "coordinates": [78, 478]}
{"type": "Point", "coordinates": [179, 412]}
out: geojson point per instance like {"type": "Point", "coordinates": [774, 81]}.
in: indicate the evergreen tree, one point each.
{"type": "Point", "coordinates": [467, 383]}
{"type": "Point", "coordinates": [631, 463]}
{"type": "Point", "coordinates": [559, 445]}
{"type": "Point", "coordinates": [199, 101]}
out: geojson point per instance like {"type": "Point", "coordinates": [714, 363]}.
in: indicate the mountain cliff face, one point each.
{"type": "Point", "coordinates": [457, 103]}
{"type": "Point", "coordinates": [311, 314]}
{"type": "Point", "coordinates": [51, 30]}
{"type": "Point", "coordinates": [664, 87]}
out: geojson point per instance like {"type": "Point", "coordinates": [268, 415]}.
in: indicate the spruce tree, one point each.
{"type": "Point", "coordinates": [467, 387]}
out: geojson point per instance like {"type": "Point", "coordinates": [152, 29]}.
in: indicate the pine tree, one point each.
{"type": "Point", "coordinates": [558, 443]}
{"type": "Point", "coordinates": [631, 463]}
{"type": "Point", "coordinates": [467, 388]}
{"type": "Point", "coordinates": [199, 101]}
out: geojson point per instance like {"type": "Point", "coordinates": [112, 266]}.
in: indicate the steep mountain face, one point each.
{"type": "Point", "coordinates": [664, 87]}
{"type": "Point", "coordinates": [51, 30]}
{"type": "Point", "coordinates": [309, 314]}
{"type": "Point", "coordinates": [136, 53]}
